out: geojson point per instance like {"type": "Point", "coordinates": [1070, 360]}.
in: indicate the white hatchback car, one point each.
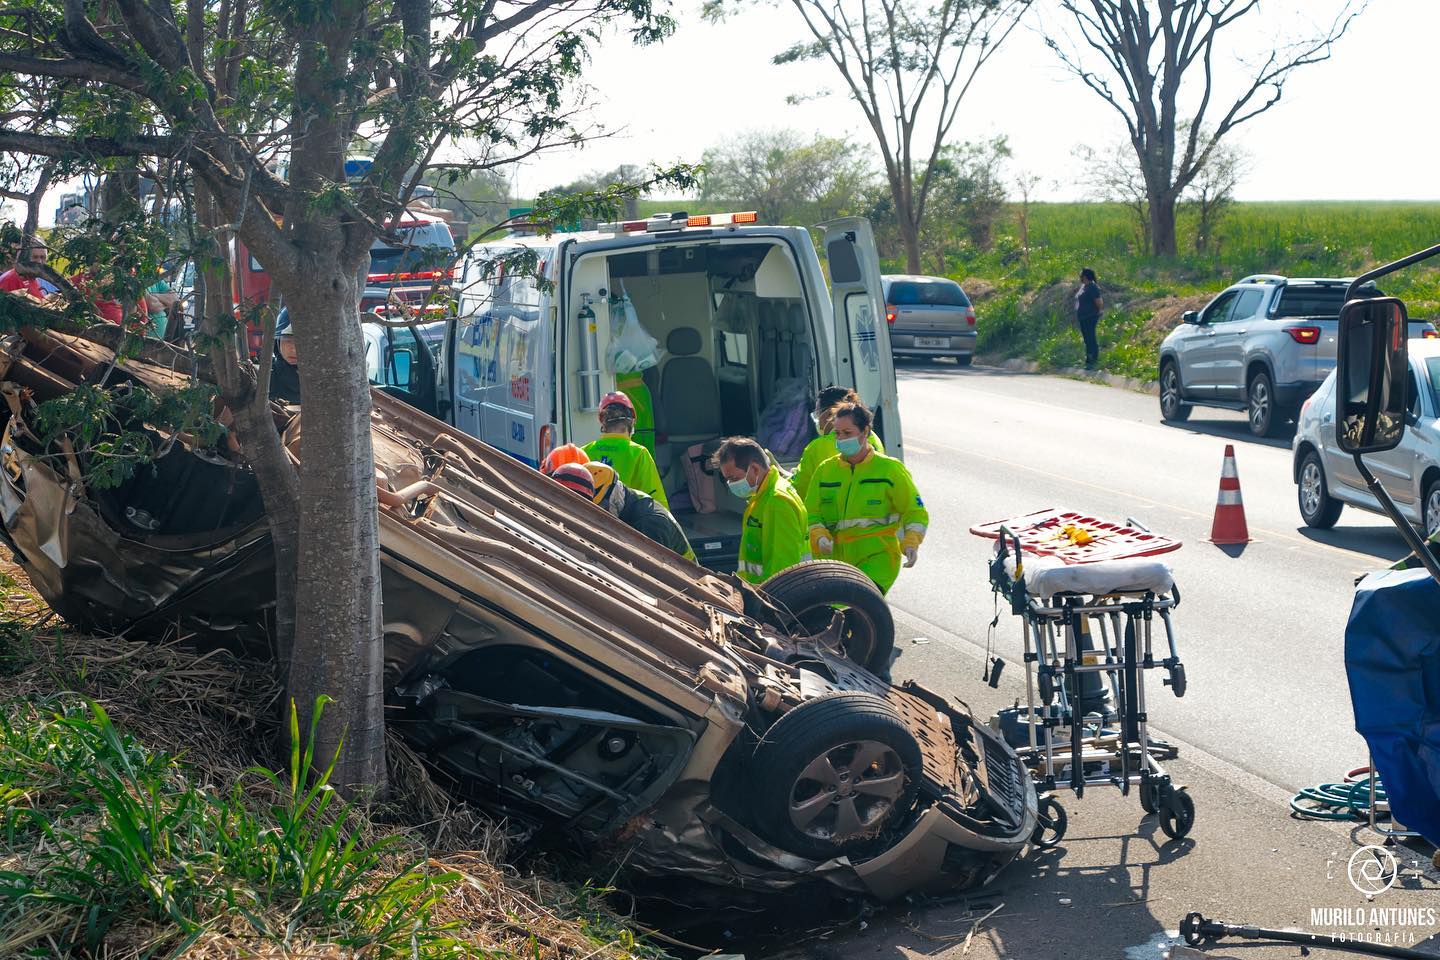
{"type": "Point", "coordinates": [1327, 479]}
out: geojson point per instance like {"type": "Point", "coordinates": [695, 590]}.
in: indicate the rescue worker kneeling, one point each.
{"type": "Point", "coordinates": [863, 506]}
{"type": "Point", "coordinates": [637, 510]}
{"type": "Point", "coordinates": [773, 532]}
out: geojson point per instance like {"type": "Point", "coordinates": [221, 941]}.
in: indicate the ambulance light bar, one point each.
{"type": "Point", "coordinates": [666, 222]}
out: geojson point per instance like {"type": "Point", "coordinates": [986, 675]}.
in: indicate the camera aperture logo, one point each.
{"type": "Point", "coordinates": [1372, 870]}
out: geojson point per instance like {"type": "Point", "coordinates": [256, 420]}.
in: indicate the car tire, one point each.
{"type": "Point", "coordinates": [1432, 508]}
{"type": "Point", "coordinates": [1317, 508]}
{"type": "Point", "coordinates": [833, 776]}
{"type": "Point", "coordinates": [1173, 407]}
{"type": "Point", "coordinates": [1260, 405]}
{"type": "Point", "coordinates": [811, 592]}
{"type": "Point", "coordinates": [963, 361]}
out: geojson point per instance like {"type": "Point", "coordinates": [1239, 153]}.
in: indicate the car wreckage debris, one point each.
{"type": "Point", "coordinates": [669, 717]}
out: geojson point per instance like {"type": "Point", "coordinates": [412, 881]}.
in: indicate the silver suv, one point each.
{"type": "Point", "coordinates": [1262, 346]}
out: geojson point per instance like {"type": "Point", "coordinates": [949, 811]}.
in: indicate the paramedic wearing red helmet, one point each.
{"type": "Point", "coordinates": [632, 462]}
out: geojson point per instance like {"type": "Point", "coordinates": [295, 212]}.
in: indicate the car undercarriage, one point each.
{"type": "Point", "coordinates": [555, 665]}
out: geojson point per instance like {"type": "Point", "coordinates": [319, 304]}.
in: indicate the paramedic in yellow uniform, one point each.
{"type": "Point", "coordinates": [773, 532]}
{"type": "Point", "coordinates": [863, 506]}
{"type": "Point", "coordinates": [632, 463]}
{"type": "Point", "coordinates": [822, 448]}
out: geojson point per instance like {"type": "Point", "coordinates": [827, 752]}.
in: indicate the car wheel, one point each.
{"type": "Point", "coordinates": [1260, 405]}
{"type": "Point", "coordinates": [1317, 508]}
{"type": "Point", "coordinates": [1432, 508]}
{"type": "Point", "coordinates": [1172, 405]}
{"type": "Point", "coordinates": [963, 361]}
{"type": "Point", "coordinates": [812, 593]}
{"type": "Point", "coordinates": [833, 775]}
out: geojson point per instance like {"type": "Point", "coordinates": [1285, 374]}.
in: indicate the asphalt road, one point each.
{"type": "Point", "coordinates": [1267, 709]}
{"type": "Point", "coordinates": [1261, 632]}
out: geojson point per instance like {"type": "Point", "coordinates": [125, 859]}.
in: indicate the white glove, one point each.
{"type": "Point", "coordinates": [825, 545]}
{"type": "Point", "coordinates": [910, 554]}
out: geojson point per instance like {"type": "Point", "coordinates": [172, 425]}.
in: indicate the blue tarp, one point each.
{"type": "Point", "coordinates": [1392, 659]}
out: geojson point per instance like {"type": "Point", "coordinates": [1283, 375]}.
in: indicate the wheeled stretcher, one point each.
{"type": "Point", "coordinates": [1089, 592]}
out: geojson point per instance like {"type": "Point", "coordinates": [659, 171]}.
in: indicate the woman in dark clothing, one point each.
{"type": "Point", "coordinates": [1087, 315]}
{"type": "Point", "coordinates": [284, 373]}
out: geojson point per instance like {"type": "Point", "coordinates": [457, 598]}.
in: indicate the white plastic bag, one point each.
{"type": "Point", "coordinates": [631, 348]}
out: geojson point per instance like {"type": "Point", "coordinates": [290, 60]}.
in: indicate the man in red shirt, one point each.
{"type": "Point", "coordinates": [12, 282]}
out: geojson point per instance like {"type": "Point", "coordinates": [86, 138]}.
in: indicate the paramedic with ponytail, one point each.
{"type": "Point", "coordinates": [633, 463]}
{"type": "Point", "coordinates": [822, 448]}
{"type": "Point", "coordinates": [772, 531]}
{"type": "Point", "coordinates": [863, 506]}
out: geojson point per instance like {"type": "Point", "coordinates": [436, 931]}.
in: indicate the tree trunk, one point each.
{"type": "Point", "coordinates": [1162, 225]}
{"type": "Point", "coordinates": [910, 237]}
{"type": "Point", "coordinates": [254, 431]}
{"type": "Point", "coordinates": [338, 647]}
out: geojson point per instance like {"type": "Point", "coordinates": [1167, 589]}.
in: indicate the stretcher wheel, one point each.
{"type": "Point", "coordinates": [1150, 797]}
{"type": "Point", "coordinates": [1050, 825]}
{"type": "Point", "coordinates": [1178, 815]}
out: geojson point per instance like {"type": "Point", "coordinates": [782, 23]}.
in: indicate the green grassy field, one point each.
{"type": "Point", "coordinates": [1025, 308]}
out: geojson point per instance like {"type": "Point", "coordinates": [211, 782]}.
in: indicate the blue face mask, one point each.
{"type": "Point", "coordinates": [849, 446]}
{"type": "Point", "coordinates": [741, 488]}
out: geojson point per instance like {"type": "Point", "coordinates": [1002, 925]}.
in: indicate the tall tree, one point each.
{"type": "Point", "coordinates": [1160, 74]}
{"type": "Point", "coordinates": [786, 177]}
{"type": "Point", "coordinates": [967, 196]}
{"type": "Point", "coordinates": [1212, 192]}
{"type": "Point", "coordinates": [260, 101]}
{"type": "Point", "coordinates": [909, 65]}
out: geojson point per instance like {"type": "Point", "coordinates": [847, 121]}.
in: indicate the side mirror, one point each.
{"type": "Point", "coordinates": [400, 362]}
{"type": "Point", "coordinates": [1190, 316]}
{"type": "Point", "coordinates": [1372, 366]}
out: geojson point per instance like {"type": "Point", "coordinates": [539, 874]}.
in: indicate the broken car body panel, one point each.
{"type": "Point", "coordinates": [551, 660]}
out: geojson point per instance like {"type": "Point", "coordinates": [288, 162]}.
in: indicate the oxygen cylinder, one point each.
{"type": "Point", "coordinates": [589, 357]}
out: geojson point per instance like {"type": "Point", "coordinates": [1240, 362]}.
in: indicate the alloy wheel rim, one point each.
{"type": "Point", "coordinates": [848, 792]}
{"type": "Point", "coordinates": [1170, 391]}
{"type": "Point", "coordinates": [1432, 513]}
{"type": "Point", "coordinates": [1310, 489]}
{"type": "Point", "coordinates": [1259, 403]}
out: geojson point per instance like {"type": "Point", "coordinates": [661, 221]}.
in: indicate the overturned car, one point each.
{"type": "Point", "coordinates": [547, 657]}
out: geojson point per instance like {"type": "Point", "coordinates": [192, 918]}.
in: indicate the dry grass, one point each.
{"type": "Point", "coordinates": [218, 715]}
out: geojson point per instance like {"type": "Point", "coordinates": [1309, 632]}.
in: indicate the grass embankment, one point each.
{"type": "Point", "coordinates": [137, 819]}
{"type": "Point", "coordinates": [1027, 310]}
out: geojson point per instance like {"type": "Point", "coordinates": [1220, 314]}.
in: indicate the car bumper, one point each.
{"type": "Point", "coordinates": [1295, 393]}
{"type": "Point", "coordinates": [956, 344]}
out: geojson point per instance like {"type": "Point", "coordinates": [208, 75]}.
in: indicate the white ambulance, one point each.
{"type": "Point", "coordinates": [745, 327]}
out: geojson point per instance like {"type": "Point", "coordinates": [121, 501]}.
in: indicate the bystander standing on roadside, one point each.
{"type": "Point", "coordinates": [1088, 305]}
{"type": "Point", "coordinates": [159, 298]}
{"type": "Point", "coordinates": [12, 281]}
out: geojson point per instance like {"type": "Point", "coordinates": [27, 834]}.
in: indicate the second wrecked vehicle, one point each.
{"type": "Point", "coordinates": [540, 652]}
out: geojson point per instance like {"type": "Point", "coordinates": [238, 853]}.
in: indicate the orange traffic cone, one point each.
{"type": "Point", "coordinates": [1229, 526]}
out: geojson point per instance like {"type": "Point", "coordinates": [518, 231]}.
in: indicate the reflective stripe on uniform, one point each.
{"type": "Point", "coordinates": [867, 522]}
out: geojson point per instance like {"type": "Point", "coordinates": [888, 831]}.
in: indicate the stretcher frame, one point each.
{"type": "Point", "coordinates": [1121, 651]}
